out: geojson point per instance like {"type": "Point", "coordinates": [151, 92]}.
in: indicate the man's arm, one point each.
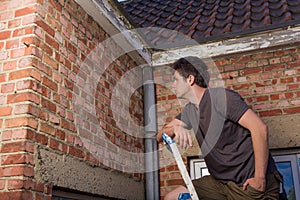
{"type": "Point", "coordinates": [259, 134]}
{"type": "Point", "coordinates": [176, 129]}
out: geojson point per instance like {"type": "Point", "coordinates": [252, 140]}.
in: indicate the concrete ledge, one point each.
{"type": "Point", "coordinates": [68, 172]}
{"type": "Point", "coordinates": [284, 131]}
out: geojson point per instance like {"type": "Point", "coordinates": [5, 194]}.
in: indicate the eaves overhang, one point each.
{"type": "Point", "coordinates": [117, 27]}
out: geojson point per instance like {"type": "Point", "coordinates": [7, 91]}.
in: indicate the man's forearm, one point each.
{"type": "Point", "coordinates": [261, 153]}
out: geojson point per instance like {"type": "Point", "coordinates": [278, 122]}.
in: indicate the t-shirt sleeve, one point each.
{"type": "Point", "coordinates": [184, 117]}
{"type": "Point", "coordinates": [236, 106]}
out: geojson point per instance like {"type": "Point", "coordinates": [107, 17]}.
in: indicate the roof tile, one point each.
{"type": "Point", "coordinates": [256, 3]}
{"type": "Point", "coordinates": [209, 19]}
{"type": "Point", "coordinates": [259, 16]}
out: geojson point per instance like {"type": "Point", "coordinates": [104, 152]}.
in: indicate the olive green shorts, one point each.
{"type": "Point", "coordinates": [209, 188]}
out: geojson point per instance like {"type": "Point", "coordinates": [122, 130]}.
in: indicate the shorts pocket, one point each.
{"type": "Point", "coordinates": [254, 193]}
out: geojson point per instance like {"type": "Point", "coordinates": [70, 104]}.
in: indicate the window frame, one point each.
{"type": "Point", "coordinates": [294, 159]}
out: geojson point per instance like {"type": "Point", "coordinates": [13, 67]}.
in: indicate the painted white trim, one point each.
{"type": "Point", "coordinates": [196, 166]}
{"type": "Point", "coordinates": [236, 45]}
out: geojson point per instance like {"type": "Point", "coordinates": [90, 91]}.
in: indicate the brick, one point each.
{"type": "Point", "coordinates": [48, 60]}
{"type": "Point", "coordinates": [294, 64]}
{"type": "Point", "coordinates": [70, 138]}
{"type": "Point", "coordinates": [9, 65]}
{"type": "Point", "coordinates": [274, 67]}
{"type": "Point", "coordinates": [2, 78]}
{"type": "Point", "coordinates": [262, 62]}
{"type": "Point", "coordinates": [295, 102]}
{"type": "Point", "coordinates": [274, 60]}
{"type": "Point", "coordinates": [5, 111]}
{"type": "Point", "coordinates": [292, 110]}
{"type": "Point", "coordinates": [17, 159]}
{"type": "Point", "coordinates": [263, 55]}
{"type": "Point", "coordinates": [60, 134]}
{"type": "Point", "coordinates": [8, 88]}
{"type": "Point", "coordinates": [287, 80]}
{"type": "Point", "coordinates": [18, 53]}
{"type": "Point", "coordinates": [14, 23]}
{"type": "Point", "coordinates": [39, 186]}
{"type": "Point", "coordinates": [262, 98]}
{"type": "Point", "coordinates": [11, 195]}
{"type": "Point", "coordinates": [240, 59]}
{"type": "Point", "coordinates": [24, 96]}
{"type": "Point", "coordinates": [25, 11]}
{"type": "Point", "coordinates": [23, 73]}
{"type": "Point", "coordinates": [30, 40]}
{"type": "Point", "coordinates": [275, 97]}
{"type": "Point", "coordinates": [65, 124]}
{"type": "Point", "coordinates": [4, 35]}
{"type": "Point", "coordinates": [54, 119]}
{"type": "Point", "coordinates": [15, 184]}
{"type": "Point", "coordinates": [42, 139]}
{"type": "Point", "coordinates": [92, 159]}
{"type": "Point", "coordinates": [17, 147]}
{"type": "Point", "coordinates": [2, 184]}
{"type": "Point", "coordinates": [250, 71]}
{"type": "Point", "coordinates": [23, 31]}
{"type": "Point", "coordinates": [49, 83]}
{"type": "Point", "coordinates": [56, 5]}
{"type": "Point", "coordinates": [76, 152]}
{"type": "Point", "coordinates": [46, 128]}
{"type": "Point", "coordinates": [17, 134]}
{"type": "Point", "coordinates": [293, 86]}
{"type": "Point", "coordinates": [26, 84]}
{"type": "Point", "coordinates": [54, 144]}
{"type": "Point", "coordinates": [71, 47]}
{"type": "Point", "coordinates": [270, 113]}
{"type": "Point", "coordinates": [12, 44]}
{"type": "Point", "coordinates": [290, 72]}
{"type": "Point", "coordinates": [3, 55]}
{"type": "Point", "coordinates": [48, 104]}
{"type": "Point", "coordinates": [20, 122]}
{"type": "Point", "coordinates": [27, 109]}
{"type": "Point", "coordinates": [45, 27]}
{"type": "Point", "coordinates": [51, 41]}
{"type": "Point", "coordinates": [29, 19]}
{"type": "Point", "coordinates": [287, 58]}
{"type": "Point", "coordinates": [175, 182]}
{"type": "Point", "coordinates": [17, 171]}
{"type": "Point", "coordinates": [242, 86]}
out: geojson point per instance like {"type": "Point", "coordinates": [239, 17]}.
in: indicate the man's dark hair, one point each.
{"type": "Point", "coordinates": [193, 66]}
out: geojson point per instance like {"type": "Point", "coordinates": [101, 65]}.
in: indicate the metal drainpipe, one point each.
{"type": "Point", "coordinates": [151, 154]}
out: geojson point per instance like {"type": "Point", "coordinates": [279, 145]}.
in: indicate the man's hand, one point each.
{"type": "Point", "coordinates": [182, 137]}
{"type": "Point", "coordinates": [256, 183]}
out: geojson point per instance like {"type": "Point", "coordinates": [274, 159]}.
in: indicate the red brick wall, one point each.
{"type": "Point", "coordinates": [43, 44]}
{"type": "Point", "coordinates": [269, 80]}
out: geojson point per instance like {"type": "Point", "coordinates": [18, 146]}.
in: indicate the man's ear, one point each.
{"type": "Point", "coordinates": [191, 80]}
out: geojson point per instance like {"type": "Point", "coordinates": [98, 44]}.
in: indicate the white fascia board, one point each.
{"type": "Point", "coordinates": [104, 14]}
{"type": "Point", "coordinates": [275, 38]}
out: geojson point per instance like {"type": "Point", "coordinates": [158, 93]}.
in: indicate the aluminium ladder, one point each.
{"type": "Point", "coordinates": [187, 180]}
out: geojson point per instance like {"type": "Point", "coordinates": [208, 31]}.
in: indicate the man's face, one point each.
{"type": "Point", "coordinates": [181, 86]}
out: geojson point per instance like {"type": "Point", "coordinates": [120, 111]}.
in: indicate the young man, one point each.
{"type": "Point", "coordinates": [233, 139]}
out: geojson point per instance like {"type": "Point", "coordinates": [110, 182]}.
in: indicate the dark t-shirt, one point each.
{"type": "Point", "coordinates": [226, 145]}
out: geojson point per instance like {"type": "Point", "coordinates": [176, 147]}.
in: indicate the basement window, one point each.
{"type": "Point", "coordinates": [287, 164]}
{"type": "Point", "coordinates": [67, 194]}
